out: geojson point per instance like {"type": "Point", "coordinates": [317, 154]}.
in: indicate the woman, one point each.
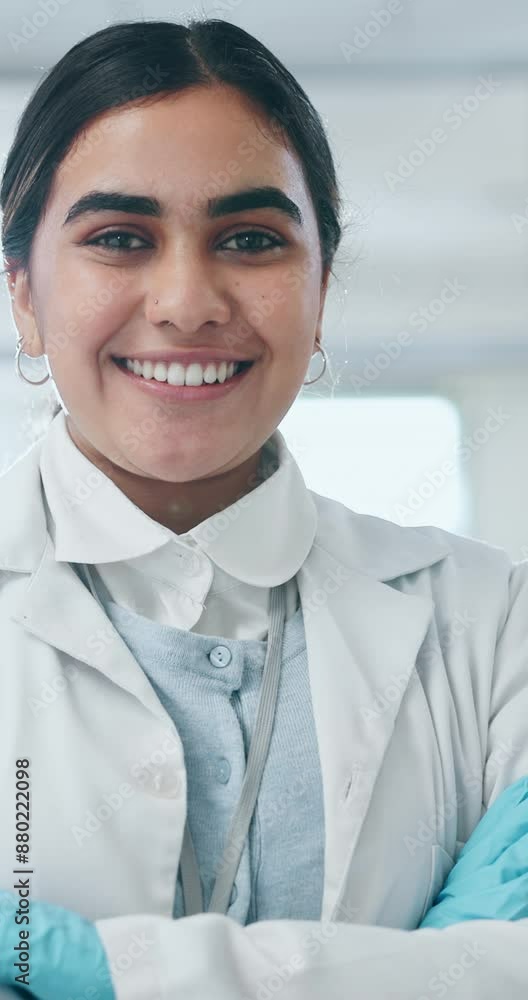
{"type": "Point", "coordinates": [235, 702]}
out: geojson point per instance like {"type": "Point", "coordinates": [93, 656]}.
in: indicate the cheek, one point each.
{"type": "Point", "coordinates": [292, 326]}
{"type": "Point", "coordinates": [283, 314]}
{"type": "Point", "coordinates": [78, 334]}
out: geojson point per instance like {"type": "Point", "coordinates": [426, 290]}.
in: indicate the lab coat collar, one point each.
{"type": "Point", "coordinates": [254, 540]}
{"type": "Point", "coordinates": [362, 639]}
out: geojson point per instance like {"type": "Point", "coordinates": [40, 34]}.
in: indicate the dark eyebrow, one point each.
{"type": "Point", "coordinates": [238, 201]}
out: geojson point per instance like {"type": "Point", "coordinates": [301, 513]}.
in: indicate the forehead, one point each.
{"type": "Point", "coordinates": [183, 148]}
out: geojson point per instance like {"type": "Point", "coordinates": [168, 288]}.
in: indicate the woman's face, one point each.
{"type": "Point", "coordinates": [86, 302]}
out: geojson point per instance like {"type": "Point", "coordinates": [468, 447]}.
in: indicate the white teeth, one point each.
{"type": "Point", "coordinates": [193, 375]}
{"type": "Point", "coordinates": [209, 374]}
{"type": "Point", "coordinates": [177, 374]}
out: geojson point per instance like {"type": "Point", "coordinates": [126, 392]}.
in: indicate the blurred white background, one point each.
{"type": "Point", "coordinates": [423, 415]}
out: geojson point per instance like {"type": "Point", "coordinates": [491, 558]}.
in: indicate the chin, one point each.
{"type": "Point", "coordinates": [176, 467]}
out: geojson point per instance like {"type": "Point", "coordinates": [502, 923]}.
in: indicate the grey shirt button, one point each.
{"type": "Point", "coordinates": [223, 770]}
{"type": "Point", "coordinates": [220, 656]}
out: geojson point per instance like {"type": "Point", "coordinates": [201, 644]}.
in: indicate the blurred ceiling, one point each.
{"type": "Point", "coordinates": [425, 34]}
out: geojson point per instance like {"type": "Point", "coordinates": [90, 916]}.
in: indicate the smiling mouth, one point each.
{"type": "Point", "coordinates": [164, 375]}
{"type": "Point", "coordinates": [174, 391]}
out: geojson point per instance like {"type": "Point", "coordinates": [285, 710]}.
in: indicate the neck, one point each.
{"type": "Point", "coordinates": [178, 506]}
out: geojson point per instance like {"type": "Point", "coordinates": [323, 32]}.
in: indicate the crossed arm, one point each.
{"type": "Point", "coordinates": [71, 956]}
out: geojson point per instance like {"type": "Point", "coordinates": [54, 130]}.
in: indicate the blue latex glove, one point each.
{"type": "Point", "coordinates": [66, 954]}
{"type": "Point", "coordinates": [490, 878]}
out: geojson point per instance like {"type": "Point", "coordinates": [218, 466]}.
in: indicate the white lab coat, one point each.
{"type": "Point", "coordinates": [417, 645]}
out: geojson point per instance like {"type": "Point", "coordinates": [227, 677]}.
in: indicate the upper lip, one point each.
{"type": "Point", "coordinates": [184, 357]}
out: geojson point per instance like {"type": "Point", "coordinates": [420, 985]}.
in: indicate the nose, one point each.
{"type": "Point", "coordinates": [187, 292]}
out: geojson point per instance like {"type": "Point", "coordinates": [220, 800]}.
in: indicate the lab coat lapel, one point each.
{"type": "Point", "coordinates": [58, 608]}
{"type": "Point", "coordinates": [53, 603]}
{"type": "Point", "coordinates": [362, 640]}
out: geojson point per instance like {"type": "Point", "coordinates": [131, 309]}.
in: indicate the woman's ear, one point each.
{"type": "Point", "coordinates": [324, 289]}
{"type": "Point", "coordinates": [23, 313]}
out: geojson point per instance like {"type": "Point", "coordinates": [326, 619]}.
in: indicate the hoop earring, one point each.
{"type": "Point", "coordinates": [18, 370]}
{"type": "Point", "coordinates": [325, 359]}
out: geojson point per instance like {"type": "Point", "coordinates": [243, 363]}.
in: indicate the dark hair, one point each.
{"type": "Point", "coordinates": [136, 61]}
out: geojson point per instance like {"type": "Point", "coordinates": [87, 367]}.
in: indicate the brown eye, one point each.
{"type": "Point", "coordinates": [122, 235]}
{"type": "Point", "coordinates": [248, 236]}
